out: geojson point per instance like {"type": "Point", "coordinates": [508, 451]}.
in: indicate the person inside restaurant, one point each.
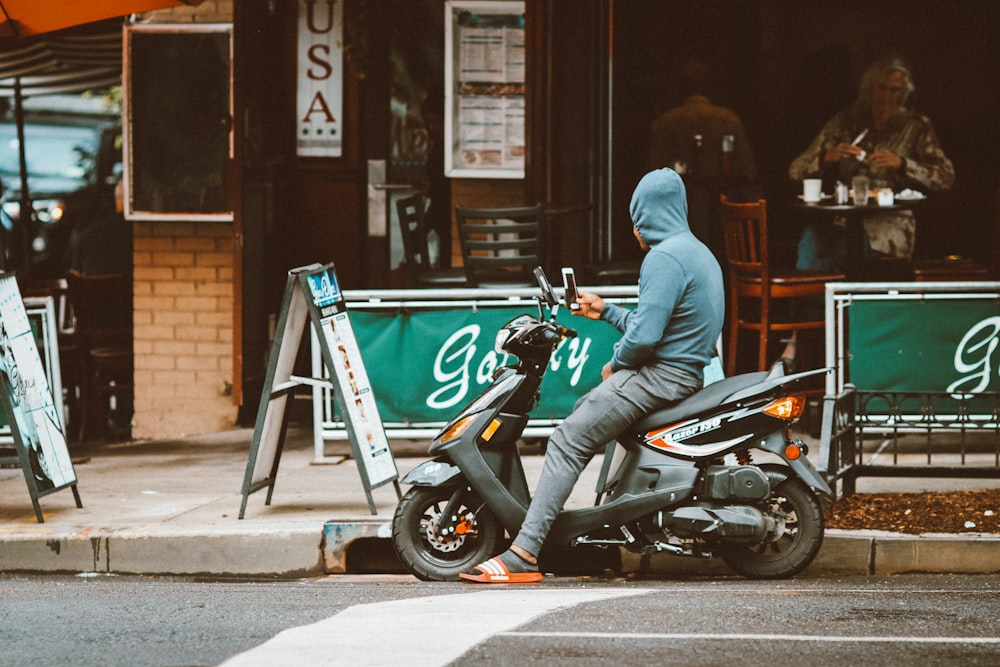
{"type": "Point", "coordinates": [707, 144]}
{"type": "Point", "coordinates": [883, 137]}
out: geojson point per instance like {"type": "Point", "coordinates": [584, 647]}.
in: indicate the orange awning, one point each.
{"type": "Point", "coordinates": [22, 18]}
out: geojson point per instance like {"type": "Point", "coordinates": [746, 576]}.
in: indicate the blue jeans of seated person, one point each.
{"type": "Point", "coordinates": [597, 419]}
{"type": "Point", "coordinates": [823, 247]}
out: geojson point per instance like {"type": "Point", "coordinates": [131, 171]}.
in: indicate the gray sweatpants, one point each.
{"type": "Point", "coordinates": [597, 419]}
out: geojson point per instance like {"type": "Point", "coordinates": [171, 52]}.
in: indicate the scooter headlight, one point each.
{"type": "Point", "coordinates": [457, 428]}
{"type": "Point", "coordinates": [510, 331]}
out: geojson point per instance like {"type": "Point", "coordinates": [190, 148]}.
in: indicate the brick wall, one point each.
{"type": "Point", "coordinates": [183, 304]}
{"type": "Point", "coordinates": [183, 328]}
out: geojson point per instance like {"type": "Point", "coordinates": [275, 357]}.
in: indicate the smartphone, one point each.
{"type": "Point", "coordinates": [569, 282]}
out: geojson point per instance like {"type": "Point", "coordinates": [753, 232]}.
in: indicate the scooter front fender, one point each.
{"type": "Point", "coordinates": [436, 472]}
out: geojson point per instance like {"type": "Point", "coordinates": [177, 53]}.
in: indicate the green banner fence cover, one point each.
{"type": "Point", "coordinates": [425, 364]}
{"type": "Point", "coordinates": [948, 346]}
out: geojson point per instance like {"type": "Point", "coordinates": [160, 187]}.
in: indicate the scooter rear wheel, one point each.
{"type": "Point", "coordinates": [792, 551]}
{"type": "Point", "coordinates": [423, 548]}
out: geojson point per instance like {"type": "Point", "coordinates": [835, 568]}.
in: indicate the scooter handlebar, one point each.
{"type": "Point", "coordinates": [557, 332]}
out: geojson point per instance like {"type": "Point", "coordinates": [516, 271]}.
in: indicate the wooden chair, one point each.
{"type": "Point", "coordinates": [413, 229]}
{"type": "Point", "coordinates": [500, 246]}
{"type": "Point", "coordinates": [753, 276]}
{"type": "Point", "coordinates": [103, 308]}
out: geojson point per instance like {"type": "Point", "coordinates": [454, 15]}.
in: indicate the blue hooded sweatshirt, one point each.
{"type": "Point", "coordinates": [681, 299]}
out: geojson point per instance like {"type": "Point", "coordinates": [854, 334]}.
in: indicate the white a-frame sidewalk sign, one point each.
{"type": "Point", "coordinates": [35, 422]}
{"type": "Point", "coordinates": [312, 294]}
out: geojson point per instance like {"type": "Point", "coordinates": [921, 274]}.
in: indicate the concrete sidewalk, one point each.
{"type": "Point", "coordinates": [172, 507]}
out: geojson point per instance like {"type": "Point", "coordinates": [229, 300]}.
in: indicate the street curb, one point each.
{"type": "Point", "coordinates": [284, 553]}
{"type": "Point", "coordinates": [279, 553]}
{"type": "Point", "coordinates": [970, 553]}
{"type": "Point", "coordinates": [865, 553]}
{"type": "Point", "coordinates": [843, 553]}
{"type": "Point", "coordinates": [365, 547]}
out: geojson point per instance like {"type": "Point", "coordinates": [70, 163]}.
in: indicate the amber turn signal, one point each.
{"type": "Point", "coordinates": [490, 430]}
{"type": "Point", "coordinates": [786, 407]}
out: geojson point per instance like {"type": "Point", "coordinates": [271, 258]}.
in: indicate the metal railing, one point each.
{"type": "Point", "coordinates": [887, 428]}
{"type": "Point", "coordinates": [909, 434]}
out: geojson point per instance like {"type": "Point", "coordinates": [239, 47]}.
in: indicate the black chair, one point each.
{"type": "Point", "coordinates": [500, 246]}
{"type": "Point", "coordinates": [103, 308]}
{"type": "Point", "coordinates": [413, 229]}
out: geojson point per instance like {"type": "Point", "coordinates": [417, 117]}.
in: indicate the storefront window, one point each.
{"type": "Point", "coordinates": [178, 121]}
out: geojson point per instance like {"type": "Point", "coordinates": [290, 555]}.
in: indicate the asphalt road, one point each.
{"type": "Point", "coordinates": [391, 620]}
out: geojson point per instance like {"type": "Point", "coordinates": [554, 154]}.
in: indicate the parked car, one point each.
{"type": "Point", "coordinates": [73, 154]}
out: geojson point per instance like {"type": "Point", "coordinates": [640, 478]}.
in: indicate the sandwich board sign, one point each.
{"type": "Point", "coordinates": [34, 417]}
{"type": "Point", "coordinates": [313, 295]}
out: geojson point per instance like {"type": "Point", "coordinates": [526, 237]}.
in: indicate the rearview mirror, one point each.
{"type": "Point", "coordinates": [548, 294]}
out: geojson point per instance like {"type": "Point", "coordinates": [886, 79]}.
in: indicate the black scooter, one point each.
{"type": "Point", "coordinates": [681, 481]}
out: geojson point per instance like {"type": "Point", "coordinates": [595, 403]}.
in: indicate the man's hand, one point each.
{"type": "Point", "coordinates": [885, 158]}
{"type": "Point", "coordinates": [606, 372]}
{"type": "Point", "coordinates": [841, 151]}
{"type": "Point", "coordinates": [591, 306]}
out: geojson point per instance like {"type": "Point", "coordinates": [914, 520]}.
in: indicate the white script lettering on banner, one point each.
{"type": "Point", "coordinates": [320, 85]}
{"type": "Point", "coordinates": [974, 356]}
{"type": "Point", "coordinates": [576, 354]}
{"type": "Point", "coordinates": [456, 359]}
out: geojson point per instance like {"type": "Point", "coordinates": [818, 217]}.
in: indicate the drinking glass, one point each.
{"type": "Point", "coordinates": [860, 186]}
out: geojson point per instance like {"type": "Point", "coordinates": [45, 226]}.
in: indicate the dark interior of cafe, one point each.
{"type": "Point", "coordinates": [601, 71]}
{"type": "Point", "coordinates": [787, 67]}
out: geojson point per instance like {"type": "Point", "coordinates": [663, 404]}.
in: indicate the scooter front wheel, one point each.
{"type": "Point", "coordinates": [436, 547]}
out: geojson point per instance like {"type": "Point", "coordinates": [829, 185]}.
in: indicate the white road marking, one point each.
{"type": "Point", "coordinates": [428, 631]}
{"type": "Point", "coordinates": [752, 637]}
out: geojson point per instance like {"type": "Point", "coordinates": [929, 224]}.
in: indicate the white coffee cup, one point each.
{"type": "Point", "coordinates": [885, 197]}
{"type": "Point", "coordinates": [812, 190]}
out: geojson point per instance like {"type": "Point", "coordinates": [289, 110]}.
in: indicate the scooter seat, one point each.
{"type": "Point", "coordinates": [706, 399]}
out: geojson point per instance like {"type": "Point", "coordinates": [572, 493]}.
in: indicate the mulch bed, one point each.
{"type": "Point", "coordinates": [915, 513]}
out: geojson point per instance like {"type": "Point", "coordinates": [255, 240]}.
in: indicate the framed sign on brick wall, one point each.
{"type": "Point", "coordinates": [177, 134]}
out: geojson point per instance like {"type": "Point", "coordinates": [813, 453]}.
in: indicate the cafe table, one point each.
{"type": "Point", "coordinates": [854, 215]}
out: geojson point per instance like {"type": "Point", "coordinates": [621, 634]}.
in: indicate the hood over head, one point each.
{"type": "Point", "coordinates": [659, 206]}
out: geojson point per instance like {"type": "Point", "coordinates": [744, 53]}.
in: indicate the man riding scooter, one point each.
{"type": "Point", "coordinates": [666, 343]}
